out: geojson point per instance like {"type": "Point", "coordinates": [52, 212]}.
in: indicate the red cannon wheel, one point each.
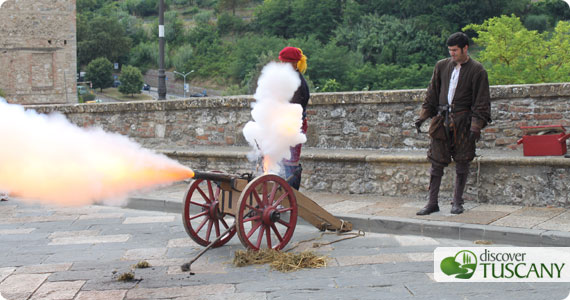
{"type": "Point", "coordinates": [201, 214]}
{"type": "Point", "coordinates": [267, 213]}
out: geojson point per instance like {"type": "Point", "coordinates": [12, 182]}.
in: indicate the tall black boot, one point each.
{"type": "Point", "coordinates": [434, 184]}
{"type": "Point", "coordinates": [462, 171]}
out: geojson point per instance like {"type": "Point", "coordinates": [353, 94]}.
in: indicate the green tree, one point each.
{"type": "Point", "coordinates": [331, 86]}
{"type": "Point", "coordinates": [317, 18]}
{"type": "Point", "coordinates": [99, 72]}
{"type": "Point", "coordinates": [229, 24]}
{"type": "Point", "coordinates": [543, 15]}
{"type": "Point", "coordinates": [515, 55]}
{"type": "Point", "coordinates": [131, 80]}
{"type": "Point", "coordinates": [389, 40]}
{"type": "Point", "coordinates": [142, 56]}
{"type": "Point", "coordinates": [247, 51]}
{"type": "Point", "coordinates": [2, 94]}
{"type": "Point", "coordinates": [181, 56]}
{"type": "Point", "coordinates": [101, 37]}
{"type": "Point", "coordinates": [88, 5]}
{"type": "Point", "coordinates": [231, 4]}
{"type": "Point", "coordinates": [274, 18]}
{"type": "Point", "coordinates": [299, 18]}
{"type": "Point", "coordinates": [211, 58]}
{"type": "Point", "coordinates": [389, 77]}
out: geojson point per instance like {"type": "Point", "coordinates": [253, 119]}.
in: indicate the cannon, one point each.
{"type": "Point", "coordinates": [261, 210]}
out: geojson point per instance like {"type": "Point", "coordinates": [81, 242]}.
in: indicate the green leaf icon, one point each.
{"type": "Point", "coordinates": [463, 264]}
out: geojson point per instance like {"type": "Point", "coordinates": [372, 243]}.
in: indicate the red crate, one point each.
{"type": "Point", "coordinates": [544, 140]}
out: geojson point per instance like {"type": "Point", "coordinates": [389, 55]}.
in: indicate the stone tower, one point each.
{"type": "Point", "coordinates": [38, 52]}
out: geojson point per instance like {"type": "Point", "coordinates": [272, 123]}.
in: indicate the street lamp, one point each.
{"type": "Point", "coordinates": [184, 75]}
{"type": "Point", "coordinates": [161, 73]}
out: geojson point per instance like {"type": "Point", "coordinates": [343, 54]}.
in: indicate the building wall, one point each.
{"type": "Point", "coordinates": [38, 51]}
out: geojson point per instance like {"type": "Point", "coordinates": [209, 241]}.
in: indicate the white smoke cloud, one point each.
{"type": "Point", "coordinates": [276, 124]}
{"type": "Point", "coordinates": [46, 158]}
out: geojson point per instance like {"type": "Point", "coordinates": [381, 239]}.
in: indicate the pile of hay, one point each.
{"type": "Point", "coordinates": [280, 261]}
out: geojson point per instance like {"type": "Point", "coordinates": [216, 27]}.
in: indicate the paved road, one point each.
{"type": "Point", "coordinates": [78, 253]}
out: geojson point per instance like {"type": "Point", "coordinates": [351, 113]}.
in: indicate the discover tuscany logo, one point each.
{"type": "Point", "coordinates": [502, 264]}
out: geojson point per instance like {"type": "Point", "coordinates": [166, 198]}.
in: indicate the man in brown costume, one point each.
{"type": "Point", "coordinates": [458, 102]}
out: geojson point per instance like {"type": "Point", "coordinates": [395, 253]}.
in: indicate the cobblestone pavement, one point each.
{"type": "Point", "coordinates": [79, 253]}
{"type": "Point", "coordinates": [511, 224]}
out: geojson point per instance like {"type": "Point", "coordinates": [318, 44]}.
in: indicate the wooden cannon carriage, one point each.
{"type": "Point", "coordinates": [262, 211]}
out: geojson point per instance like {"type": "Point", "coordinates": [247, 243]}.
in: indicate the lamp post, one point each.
{"type": "Point", "coordinates": [161, 75]}
{"type": "Point", "coordinates": [184, 75]}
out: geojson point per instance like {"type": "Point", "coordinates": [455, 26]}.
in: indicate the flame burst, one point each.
{"type": "Point", "coordinates": [47, 158]}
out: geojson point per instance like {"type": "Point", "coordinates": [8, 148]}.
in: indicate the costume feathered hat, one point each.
{"type": "Point", "coordinates": [292, 54]}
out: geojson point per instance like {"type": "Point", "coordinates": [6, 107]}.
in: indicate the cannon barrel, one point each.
{"type": "Point", "coordinates": [213, 176]}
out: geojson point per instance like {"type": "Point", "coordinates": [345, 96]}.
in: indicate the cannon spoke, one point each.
{"type": "Point", "coordinates": [276, 231]}
{"type": "Point", "coordinates": [253, 229]}
{"type": "Point", "coordinates": [259, 201]}
{"type": "Point", "coordinates": [281, 198]}
{"type": "Point", "coordinates": [273, 191]}
{"type": "Point", "coordinates": [217, 227]}
{"type": "Point", "coordinates": [288, 225]}
{"type": "Point", "coordinates": [224, 223]}
{"type": "Point", "coordinates": [210, 191]}
{"type": "Point", "coordinates": [202, 225]}
{"type": "Point", "coordinates": [209, 230]}
{"type": "Point", "coordinates": [199, 204]}
{"type": "Point", "coordinates": [260, 237]}
{"type": "Point", "coordinates": [199, 215]}
{"type": "Point", "coordinates": [285, 209]}
{"type": "Point", "coordinates": [268, 237]}
{"type": "Point", "coordinates": [254, 218]}
{"type": "Point", "coordinates": [264, 194]}
{"type": "Point", "coordinates": [203, 195]}
{"type": "Point", "coordinates": [257, 210]}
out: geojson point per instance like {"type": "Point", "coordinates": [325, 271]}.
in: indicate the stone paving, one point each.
{"type": "Point", "coordinates": [79, 253]}
{"type": "Point", "coordinates": [533, 226]}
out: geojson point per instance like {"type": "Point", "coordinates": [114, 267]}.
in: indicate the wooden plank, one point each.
{"type": "Point", "coordinates": [230, 195]}
{"type": "Point", "coordinates": [313, 213]}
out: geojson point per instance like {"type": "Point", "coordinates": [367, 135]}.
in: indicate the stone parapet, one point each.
{"type": "Point", "coordinates": [351, 120]}
{"type": "Point", "coordinates": [358, 142]}
{"type": "Point", "coordinates": [495, 177]}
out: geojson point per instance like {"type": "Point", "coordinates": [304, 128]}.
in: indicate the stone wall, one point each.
{"type": "Point", "coordinates": [38, 51]}
{"type": "Point", "coordinates": [358, 120]}
{"type": "Point", "coordinates": [361, 142]}
{"type": "Point", "coordinates": [495, 177]}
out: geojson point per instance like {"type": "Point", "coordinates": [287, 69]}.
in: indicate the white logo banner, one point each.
{"type": "Point", "coordinates": [502, 264]}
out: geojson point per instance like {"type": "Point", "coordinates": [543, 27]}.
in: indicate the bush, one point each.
{"type": "Point", "coordinates": [537, 22]}
{"type": "Point", "coordinates": [182, 56]}
{"type": "Point", "coordinates": [131, 80]}
{"type": "Point", "coordinates": [203, 17]}
{"type": "Point", "coordinates": [99, 72]}
{"type": "Point", "coordinates": [89, 96]}
{"type": "Point", "coordinates": [229, 24]}
{"type": "Point", "coordinates": [142, 56]}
